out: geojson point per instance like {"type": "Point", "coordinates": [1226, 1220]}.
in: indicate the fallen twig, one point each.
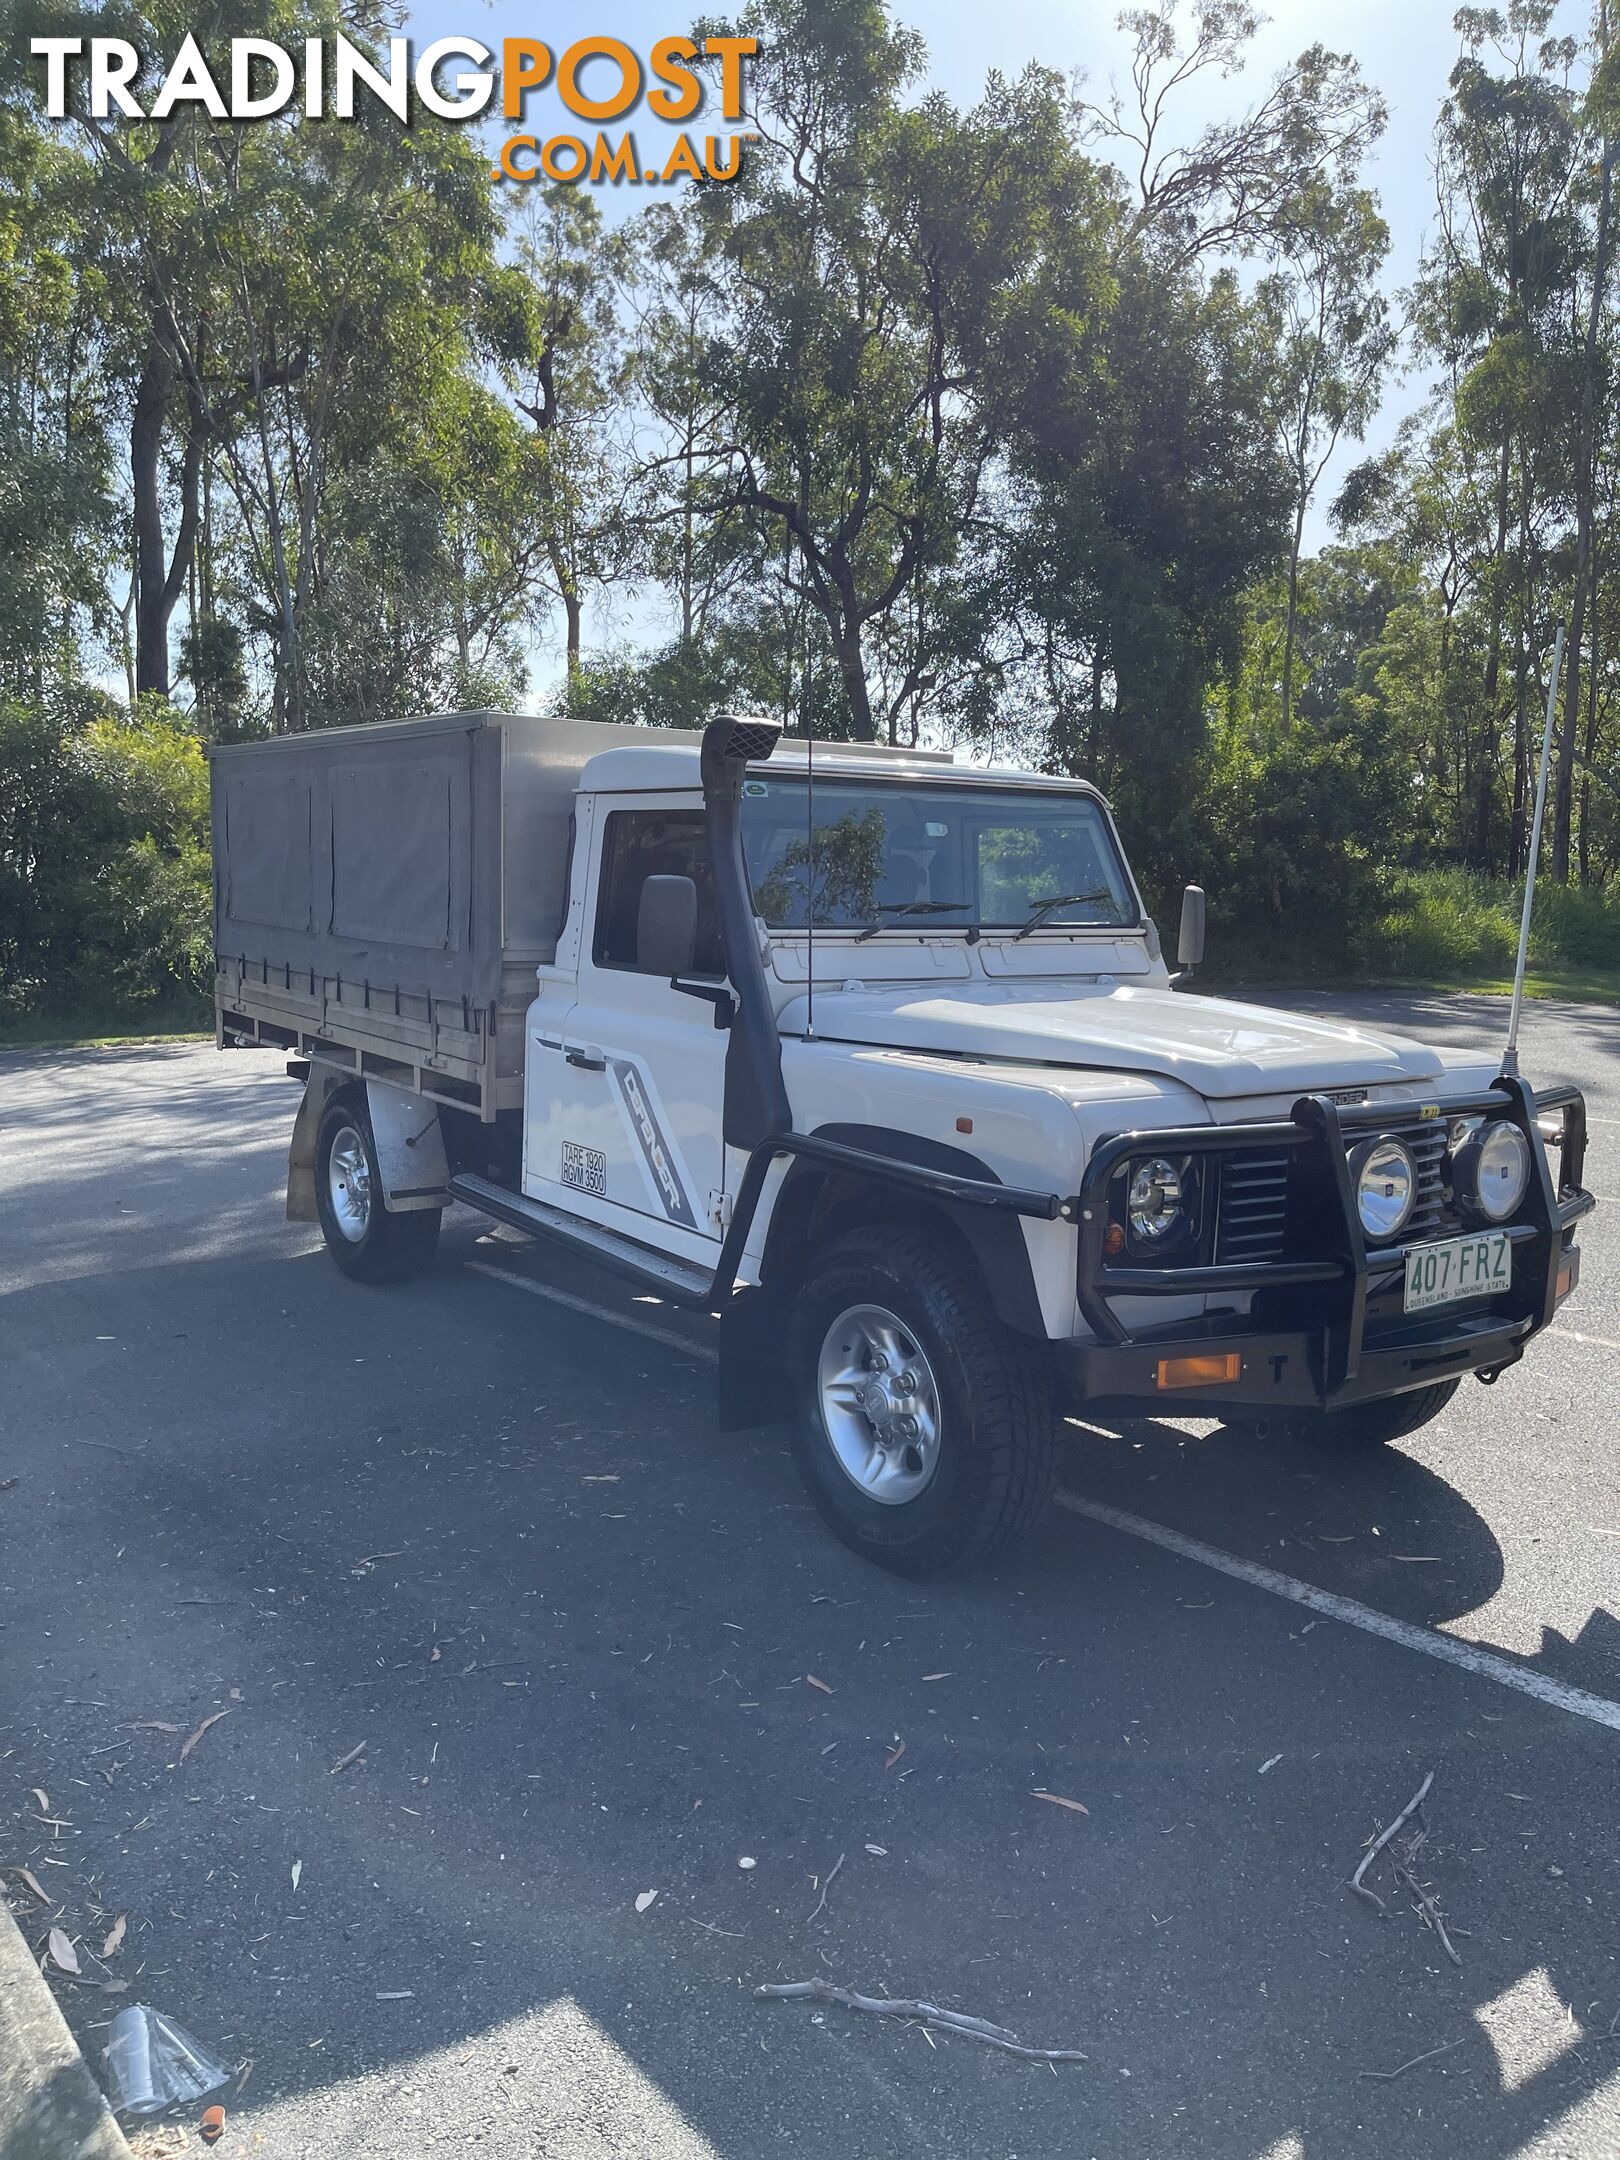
{"type": "Point", "coordinates": [1405, 1875]}
{"type": "Point", "coordinates": [1383, 1838]}
{"type": "Point", "coordinates": [920, 2013]}
{"type": "Point", "coordinates": [1387, 2076]}
{"type": "Point", "coordinates": [826, 1886]}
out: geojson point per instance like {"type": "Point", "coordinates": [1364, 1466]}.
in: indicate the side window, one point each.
{"type": "Point", "coordinates": [637, 845]}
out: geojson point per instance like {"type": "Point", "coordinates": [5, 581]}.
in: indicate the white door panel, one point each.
{"type": "Point", "coordinates": [625, 1095]}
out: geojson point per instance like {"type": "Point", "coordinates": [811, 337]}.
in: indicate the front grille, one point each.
{"type": "Point", "coordinates": [1252, 1210]}
{"type": "Point", "coordinates": [1252, 1220]}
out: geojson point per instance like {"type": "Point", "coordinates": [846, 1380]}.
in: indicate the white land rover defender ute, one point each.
{"type": "Point", "coordinates": [875, 1057]}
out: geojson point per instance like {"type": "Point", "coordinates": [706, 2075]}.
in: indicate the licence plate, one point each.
{"type": "Point", "coordinates": [1457, 1268]}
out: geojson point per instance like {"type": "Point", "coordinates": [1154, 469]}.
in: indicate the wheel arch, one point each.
{"type": "Point", "coordinates": [815, 1204]}
{"type": "Point", "coordinates": [818, 1203]}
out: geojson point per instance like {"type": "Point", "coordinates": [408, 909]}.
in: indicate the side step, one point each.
{"type": "Point", "coordinates": [676, 1279]}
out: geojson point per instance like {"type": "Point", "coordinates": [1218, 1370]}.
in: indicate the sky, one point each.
{"type": "Point", "coordinates": [1406, 48]}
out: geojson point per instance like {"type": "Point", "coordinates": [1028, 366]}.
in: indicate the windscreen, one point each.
{"type": "Point", "coordinates": [895, 853]}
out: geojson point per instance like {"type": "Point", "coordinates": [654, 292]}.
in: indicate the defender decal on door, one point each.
{"type": "Point", "coordinates": [657, 1153]}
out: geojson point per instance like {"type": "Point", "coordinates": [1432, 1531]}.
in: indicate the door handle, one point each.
{"type": "Point", "coordinates": [586, 1060]}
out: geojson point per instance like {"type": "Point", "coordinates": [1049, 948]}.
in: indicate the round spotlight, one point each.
{"type": "Point", "coordinates": [1386, 1187]}
{"type": "Point", "coordinates": [1153, 1205]}
{"type": "Point", "coordinates": [1491, 1171]}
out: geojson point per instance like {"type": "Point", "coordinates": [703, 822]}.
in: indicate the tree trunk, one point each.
{"type": "Point", "coordinates": [1293, 613]}
{"type": "Point", "coordinates": [1564, 793]}
{"type": "Point", "coordinates": [1480, 767]}
{"type": "Point", "coordinates": [573, 611]}
{"type": "Point", "coordinates": [1585, 487]}
{"type": "Point", "coordinates": [1589, 748]}
{"type": "Point", "coordinates": [852, 668]}
{"type": "Point", "coordinates": [151, 567]}
{"type": "Point", "coordinates": [1095, 773]}
{"type": "Point", "coordinates": [159, 578]}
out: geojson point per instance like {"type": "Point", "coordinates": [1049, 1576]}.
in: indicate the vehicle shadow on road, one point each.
{"type": "Point", "coordinates": [1371, 1523]}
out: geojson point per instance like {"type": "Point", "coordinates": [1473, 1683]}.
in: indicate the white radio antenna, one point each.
{"type": "Point", "coordinates": [1510, 1056]}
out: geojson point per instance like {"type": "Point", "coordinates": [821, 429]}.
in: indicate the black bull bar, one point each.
{"type": "Point", "coordinates": [1315, 1349]}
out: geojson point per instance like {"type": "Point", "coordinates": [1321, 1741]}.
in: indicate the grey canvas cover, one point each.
{"type": "Point", "coordinates": [367, 854]}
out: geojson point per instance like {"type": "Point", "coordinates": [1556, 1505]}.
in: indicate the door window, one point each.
{"type": "Point", "coordinates": [637, 845]}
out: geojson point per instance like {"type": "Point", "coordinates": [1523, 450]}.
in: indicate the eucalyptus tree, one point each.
{"type": "Point", "coordinates": [1332, 339]}
{"type": "Point", "coordinates": [1495, 306]}
{"type": "Point", "coordinates": [875, 262]}
{"type": "Point", "coordinates": [571, 366]}
{"type": "Point", "coordinates": [1237, 182]}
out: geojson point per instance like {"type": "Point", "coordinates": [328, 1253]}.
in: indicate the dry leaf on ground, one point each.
{"type": "Point", "coordinates": [115, 1936]}
{"type": "Point", "coordinates": [1057, 1800]}
{"type": "Point", "coordinates": [153, 1724]}
{"type": "Point", "coordinates": [41, 1798]}
{"type": "Point", "coordinates": [297, 1872]}
{"type": "Point", "coordinates": [814, 1682]}
{"type": "Point", "coordinates": [201, 1729]}
{"type": "Point", "coordinates": [63, 1954]}
{"type": "Point", "coordinates": [645, 1899]}
{"type": "Point", "coordinates": [30, 1882]}
{"type": "Point", "coordinates": [894, 1754]}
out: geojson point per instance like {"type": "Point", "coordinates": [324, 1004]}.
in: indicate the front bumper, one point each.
{"type": "Point", "coordinates": [1325, 1326]}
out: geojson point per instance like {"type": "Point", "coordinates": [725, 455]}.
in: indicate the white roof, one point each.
{"type": "Point", "coordinates": [656, 767]}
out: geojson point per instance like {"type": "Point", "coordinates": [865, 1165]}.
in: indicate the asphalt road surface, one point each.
{"type": "Point", "coordinates": [484, 1524]}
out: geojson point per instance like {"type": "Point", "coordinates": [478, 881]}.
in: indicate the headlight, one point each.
{"type": "Point", "coordinates": [1155, 1203]}
{"type": "Point", "coordinates": [1491, 1170]}
{"type": "Point", "coordinates": [1386, 1187]}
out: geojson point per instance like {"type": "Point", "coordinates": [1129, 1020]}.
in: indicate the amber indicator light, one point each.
{"type": "Point", "coordinates": [1213, 1371]}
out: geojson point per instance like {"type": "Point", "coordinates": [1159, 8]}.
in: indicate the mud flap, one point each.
{"type": "Point", "coordinates": [405, 1132]}
{"type": "Point", "coordinates": [318, 1085]}
{"type": "Point", "coordinates": [752, 1384]}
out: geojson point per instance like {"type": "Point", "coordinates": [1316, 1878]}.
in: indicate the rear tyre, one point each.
{"type": "Point", "coordinates": [363, 1236]}
{"type": "Point", "coordinates": [922, 1427]}
{"type": "Point", "coordinates": [1364, 1425]}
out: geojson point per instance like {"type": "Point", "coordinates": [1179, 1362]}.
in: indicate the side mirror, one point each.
{"type": "Point", "coordinates": [666, 926]}
{"type": "Point", "coordinates": [1190, 944]}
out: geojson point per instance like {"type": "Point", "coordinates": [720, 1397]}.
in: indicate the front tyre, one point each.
{"type": "Point", "coordinates": [365, 1239]}
{"type": "Point", "coordinates": [922, 1427]}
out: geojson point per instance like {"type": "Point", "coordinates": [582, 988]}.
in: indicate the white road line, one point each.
{"type": "Point", "coordinates": [666, 1336]}
{"type": "Point", "coordinates": [1600, 1342]}
{"type": "Point", "coordinates": [1483, 1664]}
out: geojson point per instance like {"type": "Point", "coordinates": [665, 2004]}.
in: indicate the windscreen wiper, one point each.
{"type": "Point", "coordinates": [907, 907]}
{"type": "Point", "coordinates": [1043, 908]}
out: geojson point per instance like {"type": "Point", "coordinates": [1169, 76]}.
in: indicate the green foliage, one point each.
{"type": "Point", "coordinates": [105, 886]}
{"type": "Point", "coordinates": [999, 420]}
{"type": "Point", "coordinates": [1448, 925]}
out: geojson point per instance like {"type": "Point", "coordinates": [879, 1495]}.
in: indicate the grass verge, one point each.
{"type": "Point", "coordinates": [104, 1029]}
